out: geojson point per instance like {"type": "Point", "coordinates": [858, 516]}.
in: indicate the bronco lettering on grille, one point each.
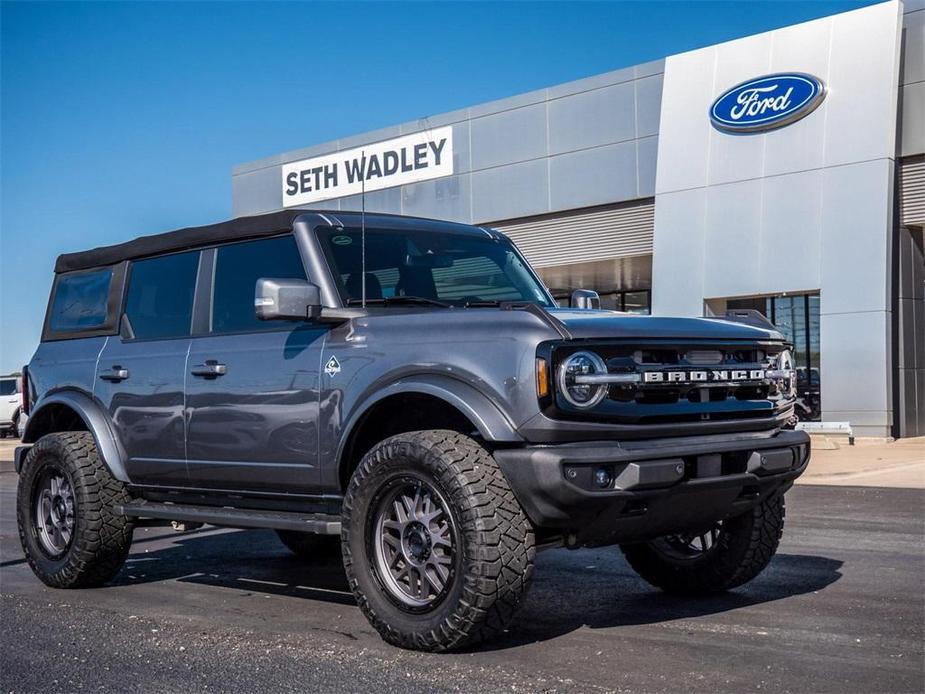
{"type": "Point", "coordinates": [714, 376]}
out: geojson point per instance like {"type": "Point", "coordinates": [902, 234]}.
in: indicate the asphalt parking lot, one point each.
{"type": "Point", "coordinates": [840, 609]}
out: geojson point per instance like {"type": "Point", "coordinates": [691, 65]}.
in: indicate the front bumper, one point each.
{"type": "Point", "coordinates": [656, 487]}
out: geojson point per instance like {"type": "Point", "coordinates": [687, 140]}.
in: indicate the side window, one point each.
{"type": "Point", "coordinates": [8, 387]}
{"type": "Point", "coordinates": [238, 266]}
{"type": "Point", "coordinates": [160, 295]}
{"type": "Point", "coordinates": [80, 301]}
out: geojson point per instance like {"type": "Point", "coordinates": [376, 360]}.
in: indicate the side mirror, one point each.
{"type": "Point", "coordinates": [585, 298]}
{"type": "Point", "coordinates": [276, 299]}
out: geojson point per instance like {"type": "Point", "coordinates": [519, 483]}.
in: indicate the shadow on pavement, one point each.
{"type": "Point", "coordinates": [571, 589]}
{"type": "Point", "coordinates": [571, 598]}
{"type": "Point", "coordinates": [249, 560]}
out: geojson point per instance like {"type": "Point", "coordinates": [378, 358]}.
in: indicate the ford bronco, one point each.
{"type": "Point", "coordinates": [407, 393]}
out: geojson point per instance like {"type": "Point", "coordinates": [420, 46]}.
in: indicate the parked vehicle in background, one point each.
{"type": "Point", "coordinates": [404, 391]}
{"type": "Point", "coordinates": [10, 406]}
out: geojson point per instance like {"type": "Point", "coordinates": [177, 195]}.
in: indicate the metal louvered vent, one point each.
{"type": "Point", "coordinates": [912, 191]}
{"type": "Point", "coordinates": [576, 237]}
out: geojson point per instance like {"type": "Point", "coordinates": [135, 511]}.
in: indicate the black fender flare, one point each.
{"type": "Point", "coordinates": [490, 421]}
{"type": "Point", "coordinates": [96, 420]}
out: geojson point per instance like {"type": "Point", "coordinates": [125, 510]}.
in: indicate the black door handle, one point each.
{"type": "Point", "coordinates": [115, 374]}
{"type": "Point", "coordinates": [211, 369]}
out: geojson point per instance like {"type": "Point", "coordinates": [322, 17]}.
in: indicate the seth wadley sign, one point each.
{"type": "Point", "coordinates": [407, 159]}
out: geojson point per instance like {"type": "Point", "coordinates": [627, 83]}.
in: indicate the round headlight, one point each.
{"type": "Point", "coordinates": [570, 382]}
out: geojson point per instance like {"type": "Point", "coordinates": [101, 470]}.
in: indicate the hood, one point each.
{"type": "Point", "coordinates": [591, 324]}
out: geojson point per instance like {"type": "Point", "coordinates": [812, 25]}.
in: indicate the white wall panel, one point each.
{"type": "Point", "coordinates": [687, 139]}
{"type": "Point", "coordinates": [733, 222]}
{"type": "Point", "coordinates": [855, 374]}
{"type": "Point", "coordinates": [791, 233]}
{"type": "Point", "coordinates": [856, 231]}
{"type": "Point", "coordinates": [863, 79]}
{"type": "Point", "coordinates": [678, 257]}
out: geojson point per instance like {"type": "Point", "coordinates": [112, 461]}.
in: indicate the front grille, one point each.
{"type": "Point", "coordinates": [706, 357]}
{"type": "Point", "coordinates": [682, 356]}
{"type": "Point", "coordinates": [719, 399]}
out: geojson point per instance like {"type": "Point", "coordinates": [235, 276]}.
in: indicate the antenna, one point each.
{"type": "Point", "coordinates": [363, 229]}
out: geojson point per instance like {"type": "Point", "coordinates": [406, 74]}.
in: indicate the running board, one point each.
{"type": "Point", "coordinates": [319, 523]}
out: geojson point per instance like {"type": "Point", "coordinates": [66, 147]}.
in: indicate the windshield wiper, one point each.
{"type": "Point", "coordinates": [396, 300]}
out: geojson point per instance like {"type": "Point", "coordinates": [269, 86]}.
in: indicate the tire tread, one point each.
{"type": "Point", "coordinates": [746, 547]}
{"type": "Point", "coordinates": [102, 535]}
{"type": "Point", "coordinates": [499, 571]}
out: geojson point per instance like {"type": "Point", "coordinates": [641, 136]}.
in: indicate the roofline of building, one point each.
{"type": "Point", "coordinates": [606, 79]}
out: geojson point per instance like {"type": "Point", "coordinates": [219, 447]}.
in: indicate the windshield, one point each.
{"type": "Point", "coordinates": [455, 269]}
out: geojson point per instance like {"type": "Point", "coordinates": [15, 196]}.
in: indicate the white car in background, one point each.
{"type": "Point", "coordinates": [10, 406]}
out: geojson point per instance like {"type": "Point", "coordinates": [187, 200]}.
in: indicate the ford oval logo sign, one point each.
{"type": "Point", "coordinates": [767, 102]}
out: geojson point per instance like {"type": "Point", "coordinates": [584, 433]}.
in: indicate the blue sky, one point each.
{"type": "Point", "coordinates": [118, 120]}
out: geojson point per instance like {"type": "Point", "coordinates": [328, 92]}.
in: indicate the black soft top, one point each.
{"type": "Point", "coordinates": [235, 229]}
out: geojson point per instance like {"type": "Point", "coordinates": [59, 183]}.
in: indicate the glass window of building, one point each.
{"type": "Point", "coordinates": [797, 318]}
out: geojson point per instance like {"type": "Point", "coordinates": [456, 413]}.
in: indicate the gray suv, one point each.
{"type": "Point", "coordinates": [407, 393]}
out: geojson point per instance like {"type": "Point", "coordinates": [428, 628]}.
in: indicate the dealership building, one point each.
{"type": "Point", "coordinates": [783, 172]}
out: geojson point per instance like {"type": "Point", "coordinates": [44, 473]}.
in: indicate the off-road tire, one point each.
{"type": "Point", "coordinates": [744, 548]}
{"type": "Point", "coordinates": [310, 545]}
{"type": "Point", "coordinates": [101, 536]}
{"type": "Point", "coordinates": [495, 553]}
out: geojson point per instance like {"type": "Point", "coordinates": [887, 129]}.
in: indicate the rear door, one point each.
{"type": "Point", "coordinates": [252, 385]}
{"type": "Point", "coordinates": [141, 373]}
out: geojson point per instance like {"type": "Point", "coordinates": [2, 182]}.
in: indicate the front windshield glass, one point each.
{"type": "Point", "coordinates": [455, 269]}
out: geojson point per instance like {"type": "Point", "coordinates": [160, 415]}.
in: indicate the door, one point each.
{"type": "Point", "coordinates": [140, 374]}
{"type": "Point", "coordinates": [252, 385]}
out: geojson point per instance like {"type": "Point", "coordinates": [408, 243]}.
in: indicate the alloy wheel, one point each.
{"type": "Point", "coordinates": [54, 513]}
{"type": "Point", "coordinates": [414, 543]}
{"type": "Point", "coordinates": [691, 545]}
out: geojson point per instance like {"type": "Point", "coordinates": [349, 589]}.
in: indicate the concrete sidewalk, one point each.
{"type": "Point", "coordinates": [867, 464]}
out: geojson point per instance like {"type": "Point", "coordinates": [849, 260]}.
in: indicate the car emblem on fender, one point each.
{"type": "Point", "coordinates": [332, 368]}
{"type": "Point", "coordinates": [766, 103]}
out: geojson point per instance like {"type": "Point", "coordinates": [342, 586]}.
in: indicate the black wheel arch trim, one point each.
{"type": "Point", "coordinates": [482, 411]}
{"type": "Point", "coordinates": [94, 417]}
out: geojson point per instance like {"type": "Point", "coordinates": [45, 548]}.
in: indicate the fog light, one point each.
{"type": "Point", "coordinates": [602, 477]}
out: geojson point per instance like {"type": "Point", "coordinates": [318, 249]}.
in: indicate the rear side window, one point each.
{"type": "Point", "coordinates": [160, 296]}
{"type": "Point", "coordinates": [8, 387]}
{"type": "Point", "coordinates": [238, 266]}
{"type": "Point", "coordinates": [81, 300]}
